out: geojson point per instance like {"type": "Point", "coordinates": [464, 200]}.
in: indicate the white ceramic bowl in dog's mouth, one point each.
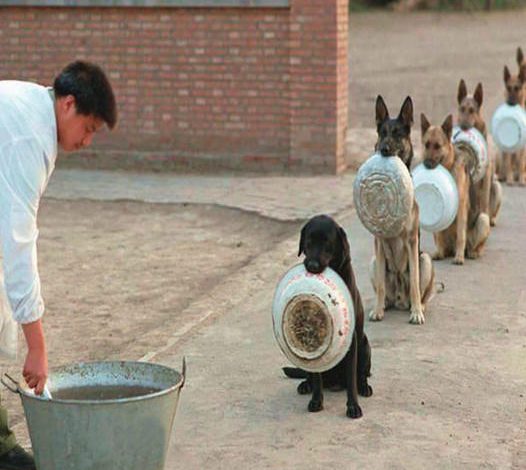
{"type": "Point", "coordinates": [437, 197]}
{"type": "Point", "coordinates": [313, 318]}
{"type": "Point", "coordinates": [508, 127]}
{"type": "Point", "coordinates": [477, 142]}
{"type": "Point", "coordinates": [383, 195]}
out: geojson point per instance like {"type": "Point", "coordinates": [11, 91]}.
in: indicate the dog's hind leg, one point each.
{"type": "Point", "coordinates": [462, 218]}
{"type": "Point", "coordinates": [486, 189]}
{"type": "Point", "coordinates": [495, 201]}
{"type": "Point", "coordinates": [499, 166]}
{"type": "Point", "coordinates": [427, 279]}
{"type": "Point", "coordinates": [508, 168]}
{"type": "Point", "coordinates": [440, 243]}
{"type": "Point", "coordinates": [294, 372]}
{"type": "Point", "coordinates": [353, 408]}
{"type": "Point", "coordinates": [417, 313]}
{"type": "Point", "coordinates": [316, 402]}
{"type": "Point", "coordinates": [477, 236]}
{"type": "Point", "coordinates": [378, 280]}
{"type": "Point", "coordinates": [305, 387]}
{"type": "Point", "coordinates": [521, 157]}
{"type": "Point", "coordinates": [364, 367]}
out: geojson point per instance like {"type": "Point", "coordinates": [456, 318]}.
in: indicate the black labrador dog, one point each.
{"type": "Point", "coordinates": [325, 243]}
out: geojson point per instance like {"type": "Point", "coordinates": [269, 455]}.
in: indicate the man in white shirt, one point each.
{"type": "Point", "coordinates": [34, 121]}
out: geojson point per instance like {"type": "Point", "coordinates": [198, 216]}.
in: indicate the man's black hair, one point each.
{"type": "Point", "coordinates": [91, 88]}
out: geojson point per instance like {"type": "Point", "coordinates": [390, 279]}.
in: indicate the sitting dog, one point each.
{"type": "Point", "coordinates": [488, 189]}
{"type": "Point", "coordinates": [324, 243]}
{"type": "Point", "coordinates": [512, 166]}
{"type": "Point", "coordinates": [402, 276]}
{"type": "Point", "coordinates": [470, 230]}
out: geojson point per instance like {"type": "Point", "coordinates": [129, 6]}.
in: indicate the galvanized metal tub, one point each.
{"type": "Point", "coordinates": [103, 434]}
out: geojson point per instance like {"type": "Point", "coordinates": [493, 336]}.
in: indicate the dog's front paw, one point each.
{"type": "Point", "coordinates": [417, 317]}
{"type": "Point", "coordinates": [365, 390]}
{"type": "Point", "coordinates": [438, 256]}
{"type": "Point", "coordinates": [376, 315]}
{"type": "Point", "coordinates": [315, 405]}
{"type": "Point", "coordinates": [493, 222]}
{"type": "Point", "coordinates": [354, 411]}
{"type": "Point", "coordinates": [522, 183]}
{"type": "Point", "coordinates": [510, 183]}
{"type": "Point", "coordinates": [472, 254]}
{"type": "Point", "coordinates": [458, 260]}
{"type": "Point", "coordinates": [304, 388]}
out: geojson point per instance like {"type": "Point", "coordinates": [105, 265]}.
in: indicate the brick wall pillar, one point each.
{"type": "Point", "coordinates": [318, 83]}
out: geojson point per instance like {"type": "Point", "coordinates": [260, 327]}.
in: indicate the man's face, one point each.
{"type": "Point", "coordinates": [75, 131]}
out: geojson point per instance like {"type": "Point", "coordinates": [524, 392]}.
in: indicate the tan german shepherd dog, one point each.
{"type": "Point", "coordinates": [403, 277]}
{"type": "Point", "coordinates": [467, 235]}
{"type": "Point", "coordinates": [488, 189]}
{"type": "Point", "coordinates": [511, 167]}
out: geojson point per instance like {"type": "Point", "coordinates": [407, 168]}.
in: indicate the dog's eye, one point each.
{"type": "Point", "coordinates": [471, 110]}
{"type": "Point", "coordinates": [436, 146]}
{"type": "Point", "coordinates": [516, 89]}
{"type": "Point", "coordinates": [428, 145]}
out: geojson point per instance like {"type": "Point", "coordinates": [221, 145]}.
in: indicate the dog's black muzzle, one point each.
{"type": "Point", "coordinates": [430, 164]}
{"type": "Point", "coordinates": [386, 151]}
{"type": "Point", "coordinates": [313, 266]}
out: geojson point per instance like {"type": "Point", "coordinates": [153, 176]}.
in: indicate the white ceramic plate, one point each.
{"type": "Point", "coordinates": [508, 127]}
{"type": "Point", "coordinates": [383, 195]}
{"type": "Point", "coordinates": [437, 197]}
{"type": "Point", "coordinates": [313, 318]}
{"type": "Point", "coordinates": [477, 142]}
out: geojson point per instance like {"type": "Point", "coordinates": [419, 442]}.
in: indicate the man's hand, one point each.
{"type": "Point", "coordinates": [36, 367]}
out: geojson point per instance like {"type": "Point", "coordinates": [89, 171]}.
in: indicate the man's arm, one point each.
{"type": "Point", "coordinates": [23, 175]}
{"type": "Point", "coordinates": [36, 367]}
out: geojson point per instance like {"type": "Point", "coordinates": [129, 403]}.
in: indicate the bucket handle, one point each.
{"type": "Point", "coordinates": [184, 372]}
{"type": "Point", "coordinates": [10, 386]}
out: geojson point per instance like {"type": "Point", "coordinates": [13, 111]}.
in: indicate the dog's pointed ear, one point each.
{"type": "Point", "coordinates": [345, 243]}
{"type": "Point", "coordinates": [520, 57]}
{"type": "Point", "coordinates": [424, 124]}
{"type": "Point", "coordinates": [462, 91]}
{"type": "Point", "coordinates": [522, 73]}
{"type": "Point", "coordinates": [447, 126]}
{"type": "Point", "coordinates": [507, 74]}
{"type": "Point", "coordinates": [301, 248]}
{"type": "Point", "coordinates": [381, 111]}
{"type": "Point", "coordinates": [406, 112]}
{"type": "Point", "coordinates": [479, 94]}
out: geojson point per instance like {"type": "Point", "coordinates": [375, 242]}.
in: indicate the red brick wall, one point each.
{"type": "Point", "coordinates": [243, 88]}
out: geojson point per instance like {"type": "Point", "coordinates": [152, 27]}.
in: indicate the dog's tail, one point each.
{"type": "Point", "coordinates": [295, 373]}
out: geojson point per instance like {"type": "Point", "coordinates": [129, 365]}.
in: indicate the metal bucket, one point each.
{"type": "Point", "coordinates": [97, 432]}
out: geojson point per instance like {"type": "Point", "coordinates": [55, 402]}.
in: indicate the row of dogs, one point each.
{"type": "Point", "coordinates": [402, 275]}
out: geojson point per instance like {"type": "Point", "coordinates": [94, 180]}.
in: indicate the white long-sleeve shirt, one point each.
{"type": "Point", "coordinates": [28, 150]}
